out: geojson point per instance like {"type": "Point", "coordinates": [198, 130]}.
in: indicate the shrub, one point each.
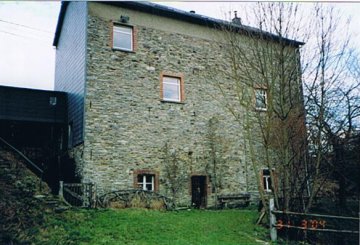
{"type": "Point", "coordinates": [137, 202]}
{"type": "Point", "coordinates": [157, 204]}
{"type": "Point", "coordinates": [117, 204]}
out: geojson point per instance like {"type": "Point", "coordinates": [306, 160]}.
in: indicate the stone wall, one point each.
{"type": "Point", "coordinates": [127, 125]}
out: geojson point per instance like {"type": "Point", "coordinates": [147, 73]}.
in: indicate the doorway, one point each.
{"type": "Point", "coordinates": [198, 191]}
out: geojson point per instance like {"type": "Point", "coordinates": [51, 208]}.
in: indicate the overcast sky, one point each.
{"type": "Point", "coordinates": [27, 58]}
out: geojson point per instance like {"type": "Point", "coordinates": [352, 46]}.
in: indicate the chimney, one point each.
{"type": "Point", "coordinates": [236, 20]}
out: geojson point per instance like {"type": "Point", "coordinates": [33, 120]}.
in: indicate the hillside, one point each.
{"type": "Point", "coordinates": [22, 202]}
{"type": "Point", "coordinates": [26, 217]}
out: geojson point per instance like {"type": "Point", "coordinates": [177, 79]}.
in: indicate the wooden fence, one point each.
{"type": "Point", "coordinates": [78, 194]}
{"type": "Point", "coordinates": [135, 198]}
{"type": "Point", "coordinates": [85, 195]}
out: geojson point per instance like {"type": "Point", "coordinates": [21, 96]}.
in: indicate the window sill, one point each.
{"type": "Point", "coordinates": [123, 50]}
{"type": "Point", "coordinates": [174, 102]}
{"type": "Point", "coordinates": [261, 109]}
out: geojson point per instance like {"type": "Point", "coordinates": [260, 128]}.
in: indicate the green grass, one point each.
{"type": "Point", "coordinates": [140, 226]}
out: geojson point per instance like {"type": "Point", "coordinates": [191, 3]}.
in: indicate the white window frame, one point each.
{"type": "Point", "coordinates": [266, 178]}
{"type": "Point", "coordinates": [143, 183]}
{"type": "Point", "coordinates": [117, 29]}
{"type": "Point", "coordinates": [178, 84]}
{"type": "Point", "coordinates": [263, 93]}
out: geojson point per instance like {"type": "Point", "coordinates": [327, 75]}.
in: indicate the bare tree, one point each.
{"type": "Point", "coordinates": [330, 98]}
{"type": "Point", "coordinates": [265, 95]}
{"type": "Point", "coordinates": [265, 63]}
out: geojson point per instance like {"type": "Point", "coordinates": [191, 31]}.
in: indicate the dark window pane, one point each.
{"type": "Point", "coordinates": [264, 182]}
{"type": "Point", "coordinates": [149, 187]}
{"type": "Point", "coordinates": [140, 178]}
{"type": "Point", "coordinates": [148, 178]}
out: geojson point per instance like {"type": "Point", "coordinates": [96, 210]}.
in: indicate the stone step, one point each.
{"type": "Point", "coordinates": [52, 202]}
{"type": "Point", "coordinates": [40, 196]}
{"type": "Point", "coordinates": [60, 209]}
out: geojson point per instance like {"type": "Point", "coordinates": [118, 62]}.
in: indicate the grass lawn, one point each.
{"type": "Point", "coordinates": [140, 226]}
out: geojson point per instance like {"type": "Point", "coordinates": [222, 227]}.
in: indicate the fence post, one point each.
{"type": "Point", "coordinates": [40, 182]}
{"type": "Point", "coordinates": [85, 195]}
{"type": "Point", "coordinates": [61, 189]}
{"type": "Point", "coordinates": [93, 195]}
{"type": "Point", "coordinates": [273, 233]}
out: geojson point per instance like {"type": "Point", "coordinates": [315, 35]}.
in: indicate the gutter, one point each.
{"type": "Point", "coordinates": [60, 22]}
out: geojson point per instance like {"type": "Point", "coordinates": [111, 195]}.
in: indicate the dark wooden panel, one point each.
{"type": "Point", "coordinates": [21, 104]}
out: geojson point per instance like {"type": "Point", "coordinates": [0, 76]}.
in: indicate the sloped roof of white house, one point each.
{"type": "Point", "coordinates": [161, 10]}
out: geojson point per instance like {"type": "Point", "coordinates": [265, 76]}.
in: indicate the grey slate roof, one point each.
{"type": "Point", "coordinates": [161, 10]}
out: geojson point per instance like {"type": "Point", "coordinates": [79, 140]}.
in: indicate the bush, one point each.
{"type": "Point", "coordinates": [137, 202]}
{"type": "Point", "coordinates": [157, 204]}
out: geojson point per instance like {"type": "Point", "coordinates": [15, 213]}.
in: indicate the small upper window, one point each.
{"type": "Point", "coordinates": [52, 100]}
{"type": "Point", "coordinates": [260, 99]}
{"type": "Point", "coordinates": [172, 88]}
{"type": "Point", "coordinates": [123, 38]}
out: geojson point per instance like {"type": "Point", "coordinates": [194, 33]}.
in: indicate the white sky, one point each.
{"type": "Point", "coordinates": [27, 58]}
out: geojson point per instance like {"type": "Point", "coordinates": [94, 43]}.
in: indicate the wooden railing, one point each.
{"type": "Point", "coordinates": [30, 164]}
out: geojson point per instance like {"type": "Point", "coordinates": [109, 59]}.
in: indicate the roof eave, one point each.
{"type": "Point", "coordinates": [60, 22]}
{"type": "Point", "coordinates": [165, 11]}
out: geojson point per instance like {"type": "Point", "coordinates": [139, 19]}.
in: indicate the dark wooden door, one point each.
{"type": "Point", "coordinates": [198, 191]}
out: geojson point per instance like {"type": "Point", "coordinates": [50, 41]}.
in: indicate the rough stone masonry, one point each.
{"type": "Point", "coordinates": [128, 128]}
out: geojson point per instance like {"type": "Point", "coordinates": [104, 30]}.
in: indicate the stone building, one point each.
{"type": "Point", "coordinates": [143, 112]}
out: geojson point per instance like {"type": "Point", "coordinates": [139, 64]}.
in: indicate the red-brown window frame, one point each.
{"type": "Point", "coordinates": [274, 181]}
{"type": "Point", "coordinates": [173, 75]}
